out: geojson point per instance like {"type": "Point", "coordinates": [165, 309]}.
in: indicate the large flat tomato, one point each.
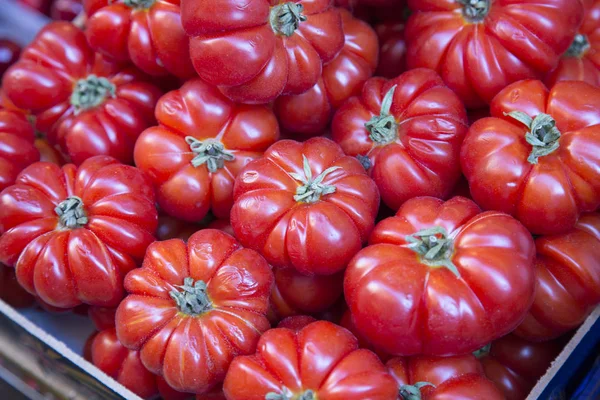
{"type": "Point", "coordinates": [147, 32]}
{"type": "Point", "coordinates": [568, 280]}
{"type": "Point", "coordinates": [255, 51]}
{"type": "Point", "coordinates": [392, 49]}
{"type": "Point", "coordinates": [408, 132]}
{"type": "Point", "coordinates": [479, 47]}
{"type": "Point", "coordinates": [581, 62]}
{"type": "Point", "coordinates": [192, 308]}
{"type": "Point", "coordinates": [320, 361]}
{"type": "Point", "coordinates": [515, 365]}
{"type": "Point", "coordinates": [441, 278]}
{"type": "Point", "coordinates": [73, 233]}
{"type": "Point", "coordinates": [309, 113]}
{"type": "Point", "coordinates": [86, 104]}
{"type": "Point", "coordinates": [17, 149]}
{"type": "Point", "coordinates": [442, 378]}
{"type": "Point", "coordinates": [202, 142]}
{"type": "Point", "coordinates": [305, 205]}
{"type": "Point", "coordinates": [535, 158]}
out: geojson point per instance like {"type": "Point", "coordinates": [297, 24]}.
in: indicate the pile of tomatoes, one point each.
{"type": "Point", "coordinates": [309, 199]}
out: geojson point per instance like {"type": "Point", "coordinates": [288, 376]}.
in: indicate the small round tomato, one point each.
{"type": "Point", "coordinates": [515, 365]}
{"type": "Point", "coordinates": [193, 308]}
{"type": "Point", "coordinates": [305, 206]}
{"type": "Point", "coordinates": [255, 52]}
{"type": "Point", "coordinates": [480, 47]}
{"type": "Point", "coordinates": [533, 159]}
{"type": "Point", "coordinates": [441, 278]}
{"type": "Point", "coordinates": [407, 131]}
{"type": "Point", "coordinates": [65, 10]}
{"type": "Point", "coordinates": [309, 113]}
{"type": "Point", "coordinates": [83, 102]}
{"type": "Point", "coordinates": [581, 62]}
{"type": "Point", "coordinates": [568, 280]}
{"type": "Point", "coordinates": [9, 54]}
{"type": "Point", "coordinates": [442, 378]}
{"type": "Point", "coordinates": [320, 361]}
{"type": "Point", "coordinates": [73, 233]}
{"type": "Point", "coordinates": [147, 32]}
{"type": "Point", "coordinates": [17, 149]}
{"type": "Point", "coordinates": [10, 290]}
{"type": "Point", "coordinates": [201, 163]}
{"type": "Point", "coordinates": [392, 49]}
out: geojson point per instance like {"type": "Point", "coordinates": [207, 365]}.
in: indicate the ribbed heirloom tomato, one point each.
{"type": "Point", "coordinates": [568, 280]}
{"type": "Point", "coordinates": [309, 113]}
{"type": "Point", "coordinates": [255, 50]}
{"type": "Point", "coordinates": [73, 233]}
{"type": "Point", "coordinates": [305, 206]}
{"type": "Point", "coordinates": [479, 47]}
{"type": "Point", "coordinates": [192, 308]}
{"type": "Point", "coordinates": [441, 278]}
{"type": "Point", "coordinates": [320, 361]}
{"type": "Point", "coordinates": [17, 151]}
{"type": "Point", "coordinates": [202, 142]}
{"type": "Point", "coordinates": [407, 131]}
{"type": "Point", "coordinates": [83, 102]}
{"type": "Point", "coordinates": [147, 32]}
{"type": "Point", "coordinates": [536, 157]}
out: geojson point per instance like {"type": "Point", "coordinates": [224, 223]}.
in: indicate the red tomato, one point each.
{"type": "Point", "coordinates": [192, 308]}
{"type": "Point", "coordinates": [73, 233]}
{"type": "Point", "coordinates": [10, 290]}
{"type": "Point", "coordinates": [568, 280]}
{"type": "Point", "coordinates": [66, 10]}
{"type": "Point", "coordinates": [296, 322]}
{"type": "Point", "coordinates": [515, 365]}
{"type": "Point", "coordinates": [441, 278]}
{"type": "Point", "coordinates": [147, 32]}
{"type": "Point", "coordinates": [283, 44]}
{"type": "Point", "coordinates": [321, 361]}
{"type": "Point", "coordinates": [86, 104]}
{"type": "Point", "coordinates": [102, 317]}
{"type": "Point", "coordinates": [305, 205]}
{"type": "Point", "coordinates": [581, 62]}
{"type": "Point", "coordinates": [294, 293]}
{"type": "Point", "coordinates": [534, 158]}
{"type": "Point", "coordinates": [348, 323]}
{"type": "Point", "coordinates": [442, 378]}
{"type": "Point", "coordinates": [122, 364]}
{"type": "Point", "coordinates": [202, 163]}
{"type": "Point", "coordinates": [408, 132]}
{"type": "Point", "coordinates": [392, 49]}
{"type": "Point", "coordinates": [479, 47]}
{"type": "Point", "coordinates": [172, 228]}
{"type": "Point", "coordinates": [309, 113]}
{"type": "Point", "coordinates": [9, 54]}
{"type": "Point", "coordinates": [17, 148]}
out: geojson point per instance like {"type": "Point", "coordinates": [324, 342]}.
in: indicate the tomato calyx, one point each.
{"type": "Point", "coordinates": [192, 299]}
{"type": "Point", "coordinates": [543, 134]}
{"type": "Point", "coordinates": [286, 394]}
{"type": "Point", "coordinates": [383, 128]}
{"type": "Point", "coordinates": [71, 214]}
{"type": "Point", "coordinates": [579, 46]}
{"type": "Point", "coordinates": [413, 392]}
{"type": "Point", "coordinates": [482, 352]}
{"type": "Point", "coordinates": [90, 92]}
{"type": "Point", "coordinates": [434, 248]}
{"type": "Point", "coordinates": [312, 189]}
{"type": "Point", "coordinates": [285, 18]}
{"type": "Point", "coordinates": [210, 152]}
{"type": "Point", "coordinates": [139, 4]}
{"type": "Point", "coordinates": [475, 10]}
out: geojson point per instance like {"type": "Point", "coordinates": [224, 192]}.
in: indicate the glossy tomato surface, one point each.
{"type": "Point", "coordinates": [192, 308]}
{"type": "Point", "coordinates": [17, 149]}
{"type": "Point", "coordinates": [568, 280]}
{"type": "Point", "coordinates": [442, 378]}
{"type": "Point", "coordinates": [581, 62]}
{"type": "Point", "coordinates": [320, 361]}
{"type": "Point", "coordinates": [479, 47]}
{"type": "Point", "coordinates": [309, 113]}
{"type": "Point", "coordinates": [441, 278]}
{"type": "Point", "coordinates": [202, 142]}
{"type": "Point", "coordinates": [149, 33]}
{"type": "Point", "coordinates": [305, 206]}
{"type": "Point", "coordinates": [283, 44]}
{"type": "Point", "coordinates": [86, 104]}
{"type": "Point", "coordinates": [538, 163]}
{"type": "Point", "coordinates": [408, 132]}
{"type": "Point", "coordinates": [73, 233]}
{"type": "Point", "coordinates": [392, 49]}
{"type": "Point", "coordinates": [9, 54]}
